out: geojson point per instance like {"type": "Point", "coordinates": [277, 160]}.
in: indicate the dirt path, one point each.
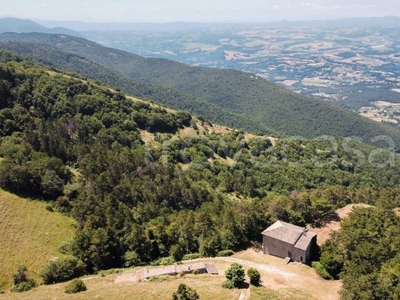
{"type": "Point", "coordinates": [278, 276]}
{"type": "Point", "coordinates": [259, 267]}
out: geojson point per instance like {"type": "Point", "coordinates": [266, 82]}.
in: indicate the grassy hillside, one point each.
{"type": "Point", "coordinates": [265, 104]}
{"type": "Point", "coordinates": [29, 235]}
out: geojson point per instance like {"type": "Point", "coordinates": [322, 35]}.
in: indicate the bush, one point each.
{"type": "Point", "coordinates": [177, 252]}
{"type": "Point", "coordinates": [21, 281]}
{"type": "Point", "coordinates": [62, 269]}
{"type": "Point", "coordinates": [166, 261]}
{"type": "Point", "coordinates": [75, 286]}
{"type": "Point", "coordinates": [110, 272]}
{"type": "Point", "coordinates": [191, 256]}
{"type": "Point", "coordinates": [225, 253]}
{"type": "Point", "coordinates": [255, 277]}
{"type": "Point", "coordinates": [185, 293]}
{"type": "Point", "coordinates": [132, 259]}
{"type": "Point", "coordinates": [163, 261]}
{"type": "Point", "coordinates": [321, 270]}
{"type": "Point", "coordinates": [227, 284]}
{"type": "Point", "coordinates": [235, 274]}
{"type": "Point", "coordinates": [160, 278]}
{"type": "Point", "coordinates": [66, 247]}
{"type": "Point", "coordinates": [333, 264]}
{"type": "Point", "coordinates": [24, 286]}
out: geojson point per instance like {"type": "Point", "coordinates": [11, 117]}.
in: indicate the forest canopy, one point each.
{"type": "Point", "coordinates": [141, 190]}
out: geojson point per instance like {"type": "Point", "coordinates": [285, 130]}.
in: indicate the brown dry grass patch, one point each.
{"type": "Point", "coordinates": [293, 281]}
{"type": "Point", "coordinates": [325, 231]}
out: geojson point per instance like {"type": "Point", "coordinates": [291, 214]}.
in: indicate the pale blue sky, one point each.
{"type": "Point", "coordinates": [195, 11]}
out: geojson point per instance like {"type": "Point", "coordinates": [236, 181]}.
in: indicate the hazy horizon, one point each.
{"type": "Point", "coordinates": [159, 11]}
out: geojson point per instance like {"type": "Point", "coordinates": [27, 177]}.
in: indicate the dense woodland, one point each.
{"type": "Point", "coordinates": [233, 98]}
{"type": "Point", "coordinates": [366, 254]}
{"type": "Point", "coordinates": [79, 66]}
{"type": "Point", "coordinates": [78, 145]}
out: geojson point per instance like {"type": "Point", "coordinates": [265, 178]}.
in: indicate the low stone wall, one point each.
{"type": "Point", "coordinates": [147, 273]}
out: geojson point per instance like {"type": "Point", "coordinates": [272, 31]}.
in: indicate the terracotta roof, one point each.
{"type": "Point", "coordinates": [289, 233]}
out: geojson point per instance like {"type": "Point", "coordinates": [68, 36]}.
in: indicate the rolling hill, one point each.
{"type": "Point", "coordinates": [67, 62]}
{"type": "Point", "coordinates": [20, 26]}
{"type": "Point", "coordinates": [266, 106]}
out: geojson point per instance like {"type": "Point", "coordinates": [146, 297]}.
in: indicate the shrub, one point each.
{"type": "Point", "coordinates": [160, 278]}
{"type": "Point", "coordinates": [177, 252]}
{"type": "Point", "coordinates": [185, 293]}
{"type": "Point", "coordinates": [225, 253]}
{"type": "Point", "coordinates": [21, 281]}
{"type": "Point", "coordinates": [332, 263]}
{"type": "Point", "coordinates": [75, 286]}
{"type": "Point", "coordinates": [66, 247]}
{"type": "Point", "coordinates": [235, 274]}
{"type": "Point", "coordinates": [62, 269]}
{"type": "Point", "coordinates": [132, 259]}
{"type": "Point", "coordinates": [227, 284]}
{"type": "Point", "coordinates": [255, 277]}
{"type": "Point", "coordinates": [21, 275]}
{"type": "Point", "coordinates": [109, 272]}
{"type": "Point", "coordinates": [24, 286]}
{"type": "Point", "coordinates": [321, 270]}
{"type": "Point", "coordinates": [191, 256]}
{"type": "Point", "coordinates": [165, 261]}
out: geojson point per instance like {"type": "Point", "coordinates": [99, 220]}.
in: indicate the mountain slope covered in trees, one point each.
{"type": "Point", "coordinates": [267, 106]}
{"type": "Point", "coordinates": [64, 61]}
{"type": "Point", "coordinates": [144, 183]}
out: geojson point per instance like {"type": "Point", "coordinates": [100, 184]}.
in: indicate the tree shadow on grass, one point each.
{"type": "Point", "coordinates": [327, 218]}
{"type": "Point", "coordinates": [244, 286]}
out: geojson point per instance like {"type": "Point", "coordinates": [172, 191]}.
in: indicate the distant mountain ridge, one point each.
{"type": "Point", "coordinates": [388, 21]}
{"type": "Point", "coordinates": [267, 106]}
{"type": "Point", "coordinates": [21, 26]}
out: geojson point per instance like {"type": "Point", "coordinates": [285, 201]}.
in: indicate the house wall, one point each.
{"type": "Point", "coordinates": [299, 255]}
{"type": "Point", "coordinates": [310, 246]}
{"type": "Point", "coordinates": [281, 249]}
{"type": "Point", "coordinates": [276, 247]}
{"type": "Point", "coordinates": [304, 255]}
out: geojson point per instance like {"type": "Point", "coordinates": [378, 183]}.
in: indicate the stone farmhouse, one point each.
{"type": "Point", "coordinates": [289, 241]}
